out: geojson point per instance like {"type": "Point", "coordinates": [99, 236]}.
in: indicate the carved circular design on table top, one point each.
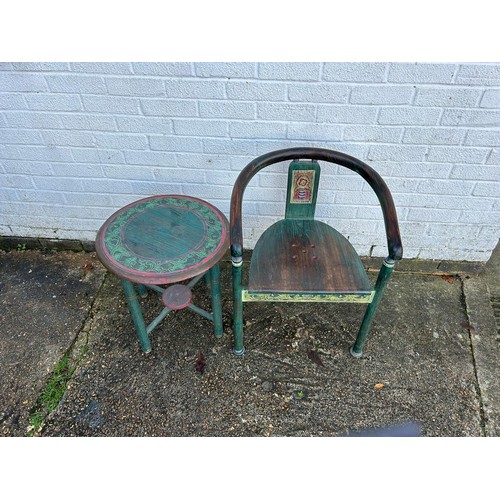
{"type": "Point", "coordinates": [163, 239]}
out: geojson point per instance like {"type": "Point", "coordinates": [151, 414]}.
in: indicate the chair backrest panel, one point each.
{"type": "Point", "coordinates": [368, 173]}
{"type": "Point", "coordinates": [302, 190]}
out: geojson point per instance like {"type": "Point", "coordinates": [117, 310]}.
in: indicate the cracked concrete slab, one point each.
{"type": "Point", "coordinates": [44, 300]}
{"type": "Point", "coordinates": [417, 368]}
{"type": "Point", "coordinates": [486, 351]}
{"type": "Point", "coordinates": [423, 363]}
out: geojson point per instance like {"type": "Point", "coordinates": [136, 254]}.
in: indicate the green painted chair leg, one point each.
{"type": "Point", "coordinates": [142, 290]}
{"type": "Point", "coordinates": [238, 348]}
{"type": "Point", "coordinates": [382, 279]}
{"type": "Point", "coordinates": [216, 300]}
{"type": "Point", "coordinates": [136, 313]}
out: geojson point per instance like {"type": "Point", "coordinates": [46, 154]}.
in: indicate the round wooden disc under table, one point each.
{"type": "Point", "coordinates": [177, 297]}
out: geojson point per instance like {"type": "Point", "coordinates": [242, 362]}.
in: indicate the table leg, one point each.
{"type": "Point", "coordinates": [208, 279]}
{"type": "Point", "coordinates": [136, 313]}
{"type": "Point", "coordinates": [216, 300]}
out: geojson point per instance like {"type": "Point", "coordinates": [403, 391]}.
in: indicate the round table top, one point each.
{"type": "Point", "coordinates": [163, 239]}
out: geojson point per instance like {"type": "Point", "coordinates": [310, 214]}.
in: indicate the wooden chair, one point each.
{"type": "Point", "coordinates": [300, 259]}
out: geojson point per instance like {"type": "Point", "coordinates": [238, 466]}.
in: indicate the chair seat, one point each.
{"type": "Point", "coordinates": [306, 257]}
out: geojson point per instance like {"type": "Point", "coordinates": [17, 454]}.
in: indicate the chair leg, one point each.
{"type": "Point", "coordinates": [216, 299]}
{"type": "Point", "coordinates": [382, 279]}
{"type": "Point", "coordinates": [136, 313]}
{"type": "Point", "coordinates": [238, 348]}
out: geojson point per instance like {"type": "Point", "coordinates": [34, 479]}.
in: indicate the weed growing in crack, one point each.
{"type": "Point", "coordinates": [51, 395]}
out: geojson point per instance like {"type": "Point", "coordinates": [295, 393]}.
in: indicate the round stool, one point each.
{"type": "Point", "coordinates": [162, 240]}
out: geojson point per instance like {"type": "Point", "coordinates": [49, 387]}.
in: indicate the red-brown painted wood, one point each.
{"type": "Point", "coordinates": [177, 297]}
{"type": "Point", "coordinates": [305, 256]}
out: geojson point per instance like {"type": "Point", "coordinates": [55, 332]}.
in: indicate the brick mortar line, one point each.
{"type": "Point", "coordinates": [57, 205]}
{"type": "Point", "coordinates": [243, 101]}
{"type": "Point", "coordinates": [255, 78]}
{"type": "Point", "coordinates": [161, 133]}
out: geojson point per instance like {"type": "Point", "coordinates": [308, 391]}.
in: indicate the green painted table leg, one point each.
{"type": "Point", "coordinates": [136, 313]}
{"type": "Point", "coordinates": [382, 279]}
{"type": "Point", "coordinates": [238, 348]}
{"type": "Point", "coordinates": [216, 300]}
{"type": "Point", "coordinates": [207, 279]}
{"type": "Point", "coordinates": [142, 290]}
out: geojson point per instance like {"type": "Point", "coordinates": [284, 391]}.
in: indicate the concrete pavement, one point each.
{"type": "Point", "coordinates": [70, 364]}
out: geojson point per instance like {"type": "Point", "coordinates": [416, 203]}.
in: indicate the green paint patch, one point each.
{"type": "Point", "coordinates": [51, 395]}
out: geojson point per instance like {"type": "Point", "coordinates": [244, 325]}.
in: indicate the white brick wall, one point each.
{"type": "Point", "coordinates": [80, 140]}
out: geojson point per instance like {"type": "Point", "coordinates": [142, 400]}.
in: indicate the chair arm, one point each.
{"type": "Point", "coordinates": [235, 228]}
{"type": "Point", "coordinates": [394, 244]}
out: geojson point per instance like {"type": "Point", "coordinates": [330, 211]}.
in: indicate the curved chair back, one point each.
{"type": "Point", "coordinates": [368, 173]}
